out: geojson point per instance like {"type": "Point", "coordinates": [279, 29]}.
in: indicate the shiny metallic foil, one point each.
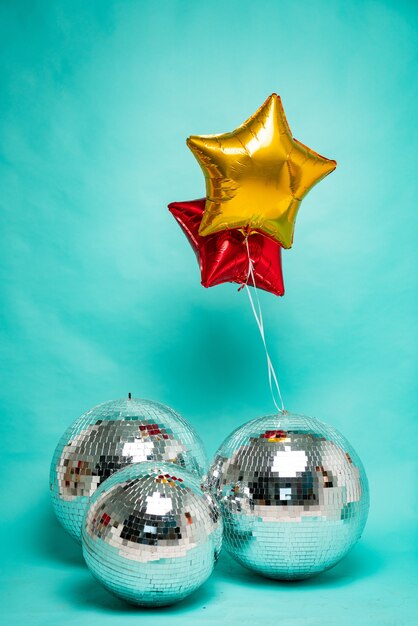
{"type": "Point", "coordinates": [257, 175]}
{"type": "Point", "coordinates": [293, 494]}
{"type": "Point", "coordinates": [223, 256]}
{"type": "Point", "coordinates": [152, 534]}
{"type": "Point", "coordinates": [106, 439]}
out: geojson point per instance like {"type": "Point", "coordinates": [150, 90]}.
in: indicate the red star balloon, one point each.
{"type": "Point", "coordinates": [223, 256]}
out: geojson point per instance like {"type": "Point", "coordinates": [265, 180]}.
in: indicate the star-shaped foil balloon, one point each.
{"type": "Point", "coordinates": [223, 256]}
{"type": "Point", "coordinates": [257, 175]}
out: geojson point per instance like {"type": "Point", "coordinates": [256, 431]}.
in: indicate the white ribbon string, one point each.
{"type": "Point", "coordinates": [258, 315]}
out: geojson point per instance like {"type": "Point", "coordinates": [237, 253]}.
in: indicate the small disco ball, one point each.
{"type": "Point", "coordinates": [106, 439]}
{"type": "Point", "coordinates": [152, 534]}
{"type": "Point", "coordinates": [293, 494]}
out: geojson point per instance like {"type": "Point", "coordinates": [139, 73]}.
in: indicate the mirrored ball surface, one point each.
{"type": "Point", "coordinates": [152, 534]}
{"type": "Point", "coordinates": [109, 437]}
{"type": "Point", "coordinates": [293, 494]}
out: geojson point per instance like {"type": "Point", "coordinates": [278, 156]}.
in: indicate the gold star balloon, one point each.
{"type": "Point", "coordinates": [257, 175]}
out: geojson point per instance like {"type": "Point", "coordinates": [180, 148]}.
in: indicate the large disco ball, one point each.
{"type": "Point", "coordinates": [293, 494]}
{"type": "Point", "coordinates": [152, 534]}
{"type": "Point", "coordinates": [106, 439]}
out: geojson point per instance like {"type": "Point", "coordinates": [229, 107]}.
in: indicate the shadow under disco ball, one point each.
{"type": "Point", "coordinates": [152, 534]}
{"type": "Point", "coordinates": [293, 494]}
{"type": "Point", "coordinates": [109, 437]}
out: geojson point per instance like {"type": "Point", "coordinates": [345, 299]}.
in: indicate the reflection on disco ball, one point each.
{"type": "Point", "coordinates": [293, 494]}
{"type": "Point", "coordinates": [106, 439]}
{"type": "Point", "coordinates": [152, 534]}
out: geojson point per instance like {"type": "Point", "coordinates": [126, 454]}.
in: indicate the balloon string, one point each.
{"type": "Point", "coordinates": [258, 315]}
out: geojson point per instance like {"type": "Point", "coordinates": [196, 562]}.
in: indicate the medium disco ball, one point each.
{"type": "Point", "coordinates": [106, 439]}
{"type": "Point", "coordinates": [152, 534]}
{"type": "Point", "coordinates": [293, 494]}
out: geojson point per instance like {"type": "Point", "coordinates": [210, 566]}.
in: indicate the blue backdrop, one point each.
{"type": "Point", "coordinates": [101, 295]}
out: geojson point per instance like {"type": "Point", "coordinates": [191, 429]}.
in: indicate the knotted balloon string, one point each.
{"type": "Point", "coordinates": [258, 315]}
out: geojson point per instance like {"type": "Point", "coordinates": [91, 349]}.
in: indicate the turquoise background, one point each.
{"type": "Point", "coordinates": [101, 295]}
